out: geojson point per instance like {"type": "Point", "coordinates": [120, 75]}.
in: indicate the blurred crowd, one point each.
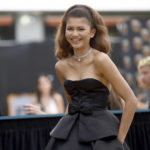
{"type": "Point", "coordinates": [135, 45]}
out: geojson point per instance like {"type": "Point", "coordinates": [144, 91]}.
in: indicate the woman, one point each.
{"type": "Point", "coordinates": [87, 73]}
{"type": "Point", "coordinates": [47, 102]}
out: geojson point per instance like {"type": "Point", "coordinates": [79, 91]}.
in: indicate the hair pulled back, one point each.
{"type": "Point", "coordinates": [99, 42]}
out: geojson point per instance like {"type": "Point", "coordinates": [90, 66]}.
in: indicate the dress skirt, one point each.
{"type": "Point", "coordinates": [74, 140]}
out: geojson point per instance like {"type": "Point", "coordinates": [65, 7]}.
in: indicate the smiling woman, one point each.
{"type": "Point", "coordinates": [87, 75]}
{"type": "Point", "coordinates": [77, 24]}
{"type": "Point", "coordinates": [79, 32]}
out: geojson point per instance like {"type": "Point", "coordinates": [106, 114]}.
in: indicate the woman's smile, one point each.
{"type": "Point", "coordinates": [75, 41]}
{"type": "Point", "coordinates": [78, 32]}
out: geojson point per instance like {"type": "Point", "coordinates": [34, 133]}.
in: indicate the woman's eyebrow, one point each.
{"type": "Point", "coordinates": [76, 26]}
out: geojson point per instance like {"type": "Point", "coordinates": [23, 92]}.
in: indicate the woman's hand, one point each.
{"type": "Point", "coordinates": [120, 141]}
{"type": "Point", "coordinates": [32, 109]}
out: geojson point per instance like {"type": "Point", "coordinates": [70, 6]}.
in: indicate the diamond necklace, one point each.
{"type": "Point", "coordinates": [79, 57]}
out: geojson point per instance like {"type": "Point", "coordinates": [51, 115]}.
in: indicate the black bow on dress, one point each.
{"type": "Point", "coordinates": [83, 107]}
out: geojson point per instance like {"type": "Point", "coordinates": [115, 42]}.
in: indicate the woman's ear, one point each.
{"type": "Point", "coordinates": [93, 32]}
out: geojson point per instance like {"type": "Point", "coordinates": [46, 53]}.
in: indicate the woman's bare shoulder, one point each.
{"type": "Point", "coordinates": [100, 57]}
{"type": "Point", "coordinates": [61, 68]}
{"type": "Point", "coordinates": [61, 64]}
{"type": "Point", "coordinates": [57, 95]}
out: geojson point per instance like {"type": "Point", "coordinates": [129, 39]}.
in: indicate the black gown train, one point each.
{"type": "Point", "coordinates": [89, 125]}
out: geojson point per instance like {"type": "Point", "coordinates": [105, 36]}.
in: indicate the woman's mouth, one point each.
{"type": "Point", "coordinates": [75, 41]}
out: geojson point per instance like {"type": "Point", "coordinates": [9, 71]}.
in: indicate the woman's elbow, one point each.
{"type": "Point", "coordinates": [133, 102]}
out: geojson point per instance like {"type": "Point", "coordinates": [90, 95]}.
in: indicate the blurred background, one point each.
{"type": "Point", "coordinates": [27, 33]}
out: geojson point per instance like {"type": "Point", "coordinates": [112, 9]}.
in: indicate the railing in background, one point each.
{"type": "Point", "coordinates": [32, 132]}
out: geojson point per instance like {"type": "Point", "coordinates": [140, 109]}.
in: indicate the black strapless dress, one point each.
{"type": "Point", "coordinates": [89, 125]}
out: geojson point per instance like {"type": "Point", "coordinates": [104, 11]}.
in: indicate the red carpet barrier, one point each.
{"type": "Point", "coordinates": [32, 132]}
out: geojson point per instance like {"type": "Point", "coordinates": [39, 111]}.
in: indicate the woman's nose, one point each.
{"type": "Point", "coordinates": [142, 77]}
{"type": "Point", "coordinates": [75, 33]}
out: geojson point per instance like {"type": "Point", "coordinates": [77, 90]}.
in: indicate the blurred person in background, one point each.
{"type": "Point", "coordinates": [137, 44]}
{"type": "Point", "coordinates": [144, 70]}
{"type": "Point", "coordinates": [137, 58]}
{"type": "Point", "coordinates": [47, 101]}
{"type": "Point", "coordinates": [135, 26]}
{"type": "Point", "coordinates": [127, 63]}
{"type": "Point", "coordinates": [142, 94]}
{"type": "Point", "coordinates": [146, 50]}
{"type": "Point", "coordinates": [145, 35]}
{"type": "Point", "coordinates": [125, 46]}
{"type": "Point", "coordinates": [148, 24]}
{"type": "Point", "coordinates": [129, 78]}
{"type": "Point", "coordinates": [124, 29]}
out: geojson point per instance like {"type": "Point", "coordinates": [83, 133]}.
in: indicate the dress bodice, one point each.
{"type": "Point", "coordinates": [88, 92]}
{"type": "Point", "coordinates": [89, 98]}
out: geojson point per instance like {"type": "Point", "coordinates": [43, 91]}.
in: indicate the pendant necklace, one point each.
{"type": "Point", "coordinates": [79, 57]}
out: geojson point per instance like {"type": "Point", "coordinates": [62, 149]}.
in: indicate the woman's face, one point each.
{"type": "Point", "coordinates": [145, 76]}
{"type": "Point", "coordinates": [44, 85]}
{"type": "Point", "coordinates": [78, 32]}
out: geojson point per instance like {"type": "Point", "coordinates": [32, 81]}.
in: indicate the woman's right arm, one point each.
{"type": "Point", "coordinates": [60, 67]}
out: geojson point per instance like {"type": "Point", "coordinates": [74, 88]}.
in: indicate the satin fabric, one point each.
{"type": "Point", "coordinates": [88, 124]}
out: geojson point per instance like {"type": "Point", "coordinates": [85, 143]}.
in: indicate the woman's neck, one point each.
{"type": "Point", "coordinates": [44, 99]}
{"type": "Point", "coordinates": [81, 51]}
{"type": "Point", "coordinates": [45, 95]}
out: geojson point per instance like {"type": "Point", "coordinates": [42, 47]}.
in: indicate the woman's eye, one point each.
{"type": "Point", "coordinates": [81, 29]}
{"type": "Point", "coordinates": [69, 29]}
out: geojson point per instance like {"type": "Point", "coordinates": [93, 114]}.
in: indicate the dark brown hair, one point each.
{"type": "Point", "coordinates": [99, 42]}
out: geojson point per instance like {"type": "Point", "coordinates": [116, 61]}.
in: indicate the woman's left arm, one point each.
{"type": "Point", "coordinates": [106, 67]}
{"type": "Point", "coordinates": [60, 102]}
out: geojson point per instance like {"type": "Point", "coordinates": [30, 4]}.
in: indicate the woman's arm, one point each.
{"type": "Point", "coordinates": [60, 102]}
{"type": "Point", "coordinates": [106, 67]}
{"type": "Point", "coordinates": [60, 69]}
{"type": "Point", "coordinates": [33, 109]}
